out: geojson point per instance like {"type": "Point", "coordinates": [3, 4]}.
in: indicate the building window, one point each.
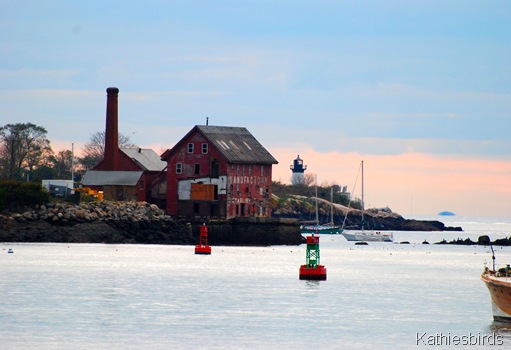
{"type": "Point", "coordinates": [262, 170]}
{"type": "Point", "coordinates": [237, 169]}
{"type": "Point", "coordinates": [197, 169]}
{"type": "Point", "coordinates": [190, 148]}
{"type": "Point", "coordinates": [204, 148]}
{"type": "Point", "coordinates": [179, 168]}
{"type": "Point", "coordinates": [196, 208]}
{"type": "Point", "coordinates": [249, 169]}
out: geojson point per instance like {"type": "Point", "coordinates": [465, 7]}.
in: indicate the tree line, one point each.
{"type": "Point", "coordinates": [26, 154]}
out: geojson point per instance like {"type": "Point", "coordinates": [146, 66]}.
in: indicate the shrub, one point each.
{"type": "Point", "coordinates": [16, 195]}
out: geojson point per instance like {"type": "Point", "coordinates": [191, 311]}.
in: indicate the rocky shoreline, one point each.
{"type": "Point", "coordinates": [144, 223]}
{"type": "Point", "coordinates": [135, 223]}
{"type": "Point", "coordinates": [301, 208]}
{"type": "Point", "coordinates": [481, 240]}
{"type": "Point", "coordinates": [104, 222]}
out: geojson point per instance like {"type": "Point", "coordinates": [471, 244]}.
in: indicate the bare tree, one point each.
{"type": "Point", "coordinates": [94, 150]}
{"type": "Point", "coordinates": [309, 179]}
{"type": "Point", "coordinates": [23, 147]}
{"type": "Point", "coordinates": [62, 164]}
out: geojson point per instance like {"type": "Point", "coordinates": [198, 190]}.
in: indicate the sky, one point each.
{"type": "Point", "coordinates": [419, 90]}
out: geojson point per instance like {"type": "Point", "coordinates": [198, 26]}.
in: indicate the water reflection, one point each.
{"type": "Point", "coordinates": [312, 284]}
{"type": "Point", "coordinates": [502, 330]}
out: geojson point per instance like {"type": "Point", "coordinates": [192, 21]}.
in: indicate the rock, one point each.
{"type": "Point", "coordinates": [502, 242]}
{"type": "Point", "coordinates": [484, 240]}
{"type": "Point", "coordinates": [458, 241]}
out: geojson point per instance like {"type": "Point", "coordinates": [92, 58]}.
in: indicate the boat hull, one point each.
{"type": "Point", "coordinates": [500, 292]}
{"type": "Point", "coordinates": [367, 236]}
{"type": "Point", "coordinates": [330, 230]}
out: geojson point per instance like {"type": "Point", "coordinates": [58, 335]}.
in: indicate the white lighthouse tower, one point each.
{"type": "Point", "coordinates": [298, 169]}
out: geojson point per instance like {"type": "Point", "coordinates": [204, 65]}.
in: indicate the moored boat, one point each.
{"type": "Point", "coordinates": [363, 235]}
{"type": "Point", "coordinates": [369, 236]}
{"type": "Point", "coordinates": [498, 282]}
{"type": "Point", "coordinates": [321, 229]}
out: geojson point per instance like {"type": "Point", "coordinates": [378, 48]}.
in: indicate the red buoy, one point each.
{"type": "Point", "coordinates": [203, 247]}
{"type": "Point", "coordinates": [312, 270]}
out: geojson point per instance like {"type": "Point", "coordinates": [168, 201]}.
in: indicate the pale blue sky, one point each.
{"type": "Point", "coordinates": [375, 78]}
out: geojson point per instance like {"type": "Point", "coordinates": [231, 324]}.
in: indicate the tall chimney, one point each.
{"type": "Point", "coordinates": [111, 157]}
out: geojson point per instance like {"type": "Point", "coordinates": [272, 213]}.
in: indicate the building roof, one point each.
{"type": "Point", "coordinates": [108, 177]}
{"type": "Point", "coordinates": [146, 158]}
{"type": "Point", "coordinates": [235, 144]}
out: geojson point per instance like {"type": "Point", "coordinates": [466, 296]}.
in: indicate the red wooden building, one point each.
{"type": "Point", "coordinates": [218, 171]}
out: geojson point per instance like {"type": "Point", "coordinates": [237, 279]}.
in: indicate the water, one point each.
{"type": "Point", "coordinates": [380, 296]}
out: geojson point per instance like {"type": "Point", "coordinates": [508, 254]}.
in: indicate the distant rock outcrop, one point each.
{"type": "Point", "coordinates": [482, 240]}
{"type": "Point", "coordinates": [304, 209]}
{"type": "Point", "coordinates": [446, 213]}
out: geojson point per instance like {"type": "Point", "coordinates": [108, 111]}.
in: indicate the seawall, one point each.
{"type": "Point", "coordinates": [251, 231]}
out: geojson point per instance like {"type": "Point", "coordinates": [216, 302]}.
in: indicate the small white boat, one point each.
{"type": "Point", "coordinates": [10, 251]}
{"type": "Point", "coordinates": [363, 235]}
{"type": "Point", "coordinates": [368, 236]}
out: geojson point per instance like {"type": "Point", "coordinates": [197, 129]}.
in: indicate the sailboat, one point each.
{"type": "Point", "coordinates": [329, 228]}
{"type": "Point", "coordinates": [363, 235]}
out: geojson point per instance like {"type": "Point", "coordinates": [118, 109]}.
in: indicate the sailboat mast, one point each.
{"type": "Point", "coordinates": [362, 165]}
{"type": "Point", "coordinates": [332, 205]}
{"type": "Point", "coordinates": [316, 188]}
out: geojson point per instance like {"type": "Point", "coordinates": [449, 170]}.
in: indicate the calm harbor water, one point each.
{"type": "Point", "coordinates": [380, 296]}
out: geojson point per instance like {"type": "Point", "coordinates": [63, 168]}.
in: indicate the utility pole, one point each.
{"type": "Point", "coordinates": [73, 164]}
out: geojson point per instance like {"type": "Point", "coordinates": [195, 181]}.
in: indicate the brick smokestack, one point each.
{"type": "Point", "coordinates": [111, 157]}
